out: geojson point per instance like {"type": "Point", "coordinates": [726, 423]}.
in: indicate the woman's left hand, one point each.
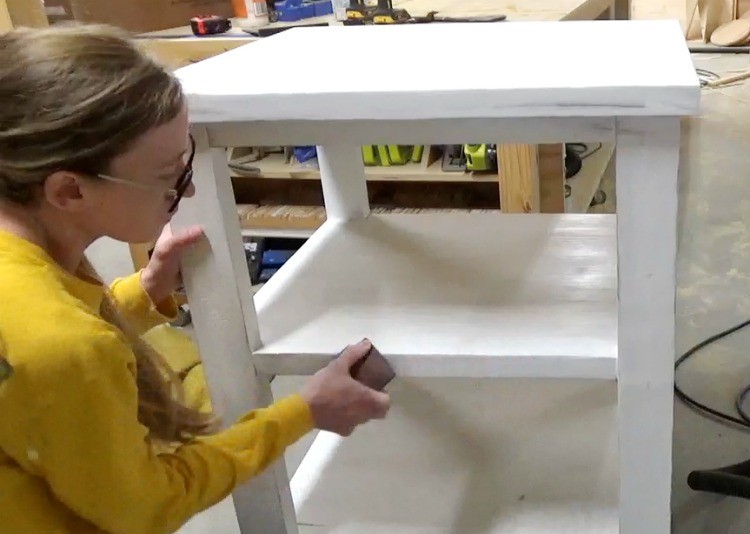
{"type": "Point", "coordinates": [161, 278]}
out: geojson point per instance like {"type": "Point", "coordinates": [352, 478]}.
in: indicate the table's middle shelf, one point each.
{"type": "Point", "coordinates": [450, 294]}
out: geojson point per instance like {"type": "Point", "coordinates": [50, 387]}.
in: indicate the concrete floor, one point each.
{"type": "Point", "coordinates": [713, 287]}
{"type": "Point", "coordinates": [713, 294]}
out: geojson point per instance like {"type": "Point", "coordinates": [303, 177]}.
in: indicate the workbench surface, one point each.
{"type": "Point", "coordinates": [515, 10]}
{"type": "Point", "coordinates": [178, 47]}
{"type": "Point", "coordinates": [632, 68]}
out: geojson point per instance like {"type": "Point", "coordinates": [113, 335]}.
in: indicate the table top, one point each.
{"type": "Point", "coordinates": [438, 71]}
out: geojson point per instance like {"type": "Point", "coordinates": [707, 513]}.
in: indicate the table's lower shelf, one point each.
{"type": "Point", "coordinates": [471, 456]}
{"type": "Point", "coordinates": [458, 294]}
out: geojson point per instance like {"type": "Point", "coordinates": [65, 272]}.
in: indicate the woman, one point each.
{"type": "Point", "coordinates": [96, 435]}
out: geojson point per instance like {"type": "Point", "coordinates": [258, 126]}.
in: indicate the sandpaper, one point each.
{"type": "Point", "coordinates": [373, 370]}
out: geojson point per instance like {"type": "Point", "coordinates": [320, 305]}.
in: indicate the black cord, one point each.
{"type": "Point", "coordinates": [706, 76]}
{"type": "Point", "coordinates": [744, 419]}
{"type": "Point", "coordinates": [582, 149]}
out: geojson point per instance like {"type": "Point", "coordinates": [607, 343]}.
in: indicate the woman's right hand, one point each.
{"type": "Point", "coordinates": [338, 402]}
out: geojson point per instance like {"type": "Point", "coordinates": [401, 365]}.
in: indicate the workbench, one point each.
{"type": "Point", "coordinates": [178, 47]}
{"type": "Point", "coordinates": [534, 352]}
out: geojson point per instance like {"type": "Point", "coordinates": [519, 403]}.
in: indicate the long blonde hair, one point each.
{"type": "Point", "coordinates": [73, 99]}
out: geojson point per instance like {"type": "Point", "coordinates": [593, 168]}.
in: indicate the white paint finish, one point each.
{"type": "Point", "coordinates": [439, 301]}
{"type": "Point", "coordinates": [227, 329]}
{"type": "Point", "coordinates": [428, 132]}
{"type": "Point", "coordinates": [472, 456]}
{"type": "Point", "coordinates": [342, 177]}
{"type": "Point", "coordinates": [641, 68]}
{"type": "Point", "coordinates": [647, 170]}
{"type": "Point", "coordinates": [464, 294]}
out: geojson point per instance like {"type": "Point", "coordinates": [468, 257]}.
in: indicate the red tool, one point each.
{"type": "Point", "coordinates": [210, 25]}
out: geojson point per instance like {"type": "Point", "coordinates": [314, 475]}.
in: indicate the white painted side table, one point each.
{"type": "Point", "coordinates": [534, 352]}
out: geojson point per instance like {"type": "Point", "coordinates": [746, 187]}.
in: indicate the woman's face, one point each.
{"type": "Point", "coordinates": [155, 163]}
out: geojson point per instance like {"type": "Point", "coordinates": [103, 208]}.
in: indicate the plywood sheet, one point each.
{"type": "Point", "coordinates": [663, 9]}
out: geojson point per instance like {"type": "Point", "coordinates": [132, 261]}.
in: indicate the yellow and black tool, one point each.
{"type": "Point", "coordinates": [386, 14]}
{"type": "Point", "coordinates": [358, 11]}
{"type": "Point", "coordinates": [387, 155]}
{"type": "Point", "coordinates": [369, 156]}
{"type": "Point", "coordinates": [480, 158]}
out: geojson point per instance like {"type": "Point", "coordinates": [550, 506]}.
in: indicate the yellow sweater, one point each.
{"type": "Point", "coordinates": [73, 456]}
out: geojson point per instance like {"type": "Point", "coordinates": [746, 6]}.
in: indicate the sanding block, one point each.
{"type": "Point", "coordinates": [373, 370]}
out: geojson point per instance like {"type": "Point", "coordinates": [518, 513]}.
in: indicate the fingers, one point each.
{"type": "Point", "coordinates": [185, 238]}
{"type": "Point", "coordinates": [381, 404]}
{"type": "Point", "coordinates": [171, 244]}
{"type": "Point", "coordinates": [377, 404]}
{"type": "Point", "coordinates": [353, 353]}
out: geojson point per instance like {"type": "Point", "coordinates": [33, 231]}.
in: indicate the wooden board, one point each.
{"type": "Point", "coordinates": [516, 11]}
{"type": "Point", "coordinates": [647, 163]}
{"type": "Point", "coordinates": [705, 16]}
{"type": "Point", "coordinates": [176, 53]}
{"type": "Point", "coordinates": [652, 75]}
{"type": "Point", "coordinates": [551, 178]}
{"type": "Point", "coordinates": [6, 24]}
{"type": "Point", "coordinates": [28, 13]}
{"type": "Point", "coordinates": [661, 10]}
{"type": "Point", "coordinates": [534, 296]}
{"type": "Point", "coordinates": [585, 184]}
{"type": "Point", "coordinates": [519, 178]}
{"type": "Point", "coordinates": [731, 33]}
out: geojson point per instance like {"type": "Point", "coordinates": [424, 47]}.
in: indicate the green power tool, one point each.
{"type": "Point", "coordinates": [480, 158]}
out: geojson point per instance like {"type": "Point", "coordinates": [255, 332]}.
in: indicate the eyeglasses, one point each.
{"type": "Point", "coordinates": [176, 193]}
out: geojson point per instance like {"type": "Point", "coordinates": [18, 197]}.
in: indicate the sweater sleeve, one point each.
{"type": "Point", "coordinates": [136, 305]}
{"type": "Point", "coordinates": [79, 431]}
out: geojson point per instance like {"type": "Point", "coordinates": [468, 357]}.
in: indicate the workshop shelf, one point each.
{"type": "Point", "coordinates": [274, 166]}
{"type": "Point", "coordinates": [459, 294]}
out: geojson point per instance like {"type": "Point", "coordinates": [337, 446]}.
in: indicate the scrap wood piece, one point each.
{"type": "Point", "coordinates": [6, 24]}
{"type": "Point", "coordinates": [689, 26]}
{"type": "Point", "coordinates": [711, 16]}
{"type": "Point", "coordinates": [518, 166]}
{"type": "Point", "coordinates": [26, 13]}
{"type": "Point", "coordinates": [732, 33]}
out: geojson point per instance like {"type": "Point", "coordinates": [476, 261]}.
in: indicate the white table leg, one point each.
{"type": "Point", "coordinates": [220, 297]}
{"type": "Point", "coordinates": [646, 173]}
{"type": "Point", "coordinates": [342, 176]}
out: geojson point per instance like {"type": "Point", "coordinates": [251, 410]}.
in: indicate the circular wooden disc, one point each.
{"type": "Point", "coordinates": [731, 33]}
